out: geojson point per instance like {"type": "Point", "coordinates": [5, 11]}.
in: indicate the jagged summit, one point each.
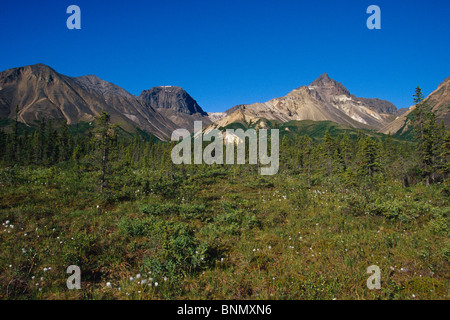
{"type": "Point", "coordinates": [325, 82]}
{"type": "Point", "coordinates": [323, 77]}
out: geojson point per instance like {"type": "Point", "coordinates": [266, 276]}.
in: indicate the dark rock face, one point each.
{"type": "Point", "coordinates": [380, 106]}
{"type": "Point", "coordinates": [174, 98]}
{"type": "Point", "coordinates": [175, 104]}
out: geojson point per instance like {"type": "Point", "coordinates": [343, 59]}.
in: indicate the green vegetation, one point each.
{"type": "Point", "coordinates": [314, 129]}
{"type": "Point", "coordinates": [153, 230]}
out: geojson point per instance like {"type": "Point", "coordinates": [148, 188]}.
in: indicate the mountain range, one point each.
{"type": "Point", "coordinates": [323, 100]}
{"type": "Point", "coordinates": [40, 92]}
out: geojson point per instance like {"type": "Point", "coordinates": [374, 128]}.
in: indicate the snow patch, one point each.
{"type": "Point", "coordinates": [358, 118]}
{"type": "Point", "coordinates": [131, 117]}
{"type": "Point", "coordinates": [343, 98]}
{"type": "Point", "coordinates": [377, 116]}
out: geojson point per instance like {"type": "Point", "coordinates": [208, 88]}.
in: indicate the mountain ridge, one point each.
{"type": "Point", "coordinates": [324, 99]}
{"type": "Point", "coordinates": [438, 100]}
{"type": "Point", "coordinates": [41, 92]}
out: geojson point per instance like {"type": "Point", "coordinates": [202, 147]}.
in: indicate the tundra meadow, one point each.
{"type": "Point", "coordinates": [140, 227]}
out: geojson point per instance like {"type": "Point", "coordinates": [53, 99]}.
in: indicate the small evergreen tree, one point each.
{"type": "Point", "coordinates": [368, 159]}
{"type": "Point", "coordinates": [328, 145]}
{"type": "Point", "coordinates": [424, 123]}
{"type": "Point", "coordinates": [445, 156]}
{"type": "Point", "coordinates": [105, 136]}
{"type": "Point", "coordinates": [64, 142]}
{"type": "Point", "coordinates": [41, 142]}
{"type": "Point", "coordinates": [15, 140]}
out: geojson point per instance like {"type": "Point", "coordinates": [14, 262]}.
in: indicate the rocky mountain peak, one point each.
{"type": "Point", "coordinates": [323, 77]}
{"type": "Point", "coordinates": [173, 98]}
{"type": "Point", "coordinates": [324, 82]}
{"type": "Point", "coordinates": [36, 71]}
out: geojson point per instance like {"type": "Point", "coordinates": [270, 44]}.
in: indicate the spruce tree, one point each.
{"type": "Point", "coordinates": [41, 142]}
{"type": "Point", "coordinates": [105, 136]}
{"type": "Point", "coordinates": [445, 156]}
{"type": "Point", "coordinates": [424, 123]}
{"type": "Point", "coordinates": [52, 147]}
{"type": "Point", "coordinates": [64, 142]}
{"type": "Point", "coordinates": [2, 144]}
{"type": "Point", "coordinates": [328, 145]}
{"type": "Point", "coordinates": [15, 140]}
{"type": "Point", "coordinates": [308, 157]}
{"type": "Point", "coordinates": [368, 159]}
{"type": "Point", "coordinates": [346, 150]}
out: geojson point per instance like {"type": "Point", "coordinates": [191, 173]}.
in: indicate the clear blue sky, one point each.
{"type": "Point", "coordinates": [230, 52]}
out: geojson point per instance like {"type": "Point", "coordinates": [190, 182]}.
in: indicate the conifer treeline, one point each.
{"type": "Point", "coordinates": [337, 158]}
{"type": "Point", "coordinates": [48, 146]}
